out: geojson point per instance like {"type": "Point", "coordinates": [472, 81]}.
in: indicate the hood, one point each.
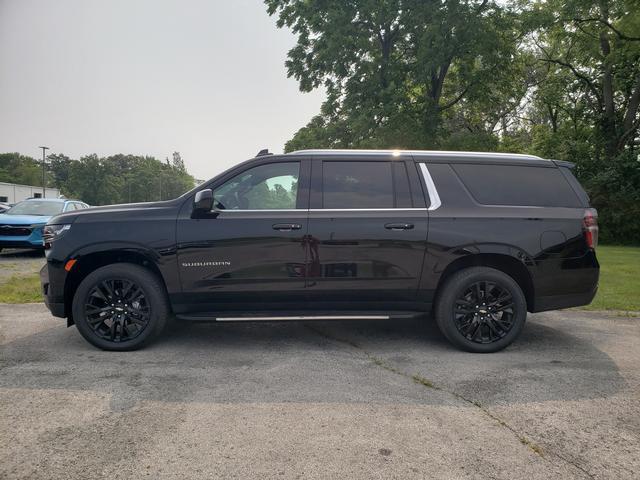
{"type": "Point", "coordinates": [107, 210]}
{"type": "Point", "coordinates": [23, 219]}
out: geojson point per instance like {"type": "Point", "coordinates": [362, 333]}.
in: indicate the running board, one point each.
{"type": "Point", "coordinates": [263, 317]}
{"type": "Point", "coordinates": [303, 317]}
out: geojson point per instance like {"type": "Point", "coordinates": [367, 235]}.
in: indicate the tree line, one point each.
{"type": "Point", "coordinates": [556, 78]}
{"type": "Point", "coordinates": [102, 181]}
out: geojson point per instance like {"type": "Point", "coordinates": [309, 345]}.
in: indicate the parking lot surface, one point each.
{"type": "Point", "coordinates": [363, 399]}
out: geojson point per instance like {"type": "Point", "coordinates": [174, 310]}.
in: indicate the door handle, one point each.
{"type": "Point", "coordinates": [286, 227]}
{"type": "Point", "coordinates": [398, 226]}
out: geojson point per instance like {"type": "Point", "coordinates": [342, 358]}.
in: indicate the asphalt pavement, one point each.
{"type": "Point", "coordinates": [363, 399]}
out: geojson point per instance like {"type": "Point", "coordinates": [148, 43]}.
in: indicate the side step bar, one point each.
{"type": "Point", "coordinates": [267, 317]}
{"type": "Point", "coordinates": [303, 317]}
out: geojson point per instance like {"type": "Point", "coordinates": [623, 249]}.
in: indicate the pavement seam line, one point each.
{"type": "Point", "coordinates": [429, 384]}
{"type": "Point", "coordinates": [536, 449]}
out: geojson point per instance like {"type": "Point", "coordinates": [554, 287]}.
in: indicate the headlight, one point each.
{"type": "Point", "coordinates": [51, 233]}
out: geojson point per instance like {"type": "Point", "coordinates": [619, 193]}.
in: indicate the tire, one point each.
{"type": "Point", "coordinates": [139, 303]}
{"type": "Point", "coordinates": [489, 324]}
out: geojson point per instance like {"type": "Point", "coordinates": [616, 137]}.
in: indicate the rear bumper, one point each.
{"type": "Point", "coordinates": [568, 283]}
{"type": "Point", "coordinates": [557, 302]}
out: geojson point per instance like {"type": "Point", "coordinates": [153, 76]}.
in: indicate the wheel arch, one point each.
{"type": "Point", "coordinates": [507, 264]}
{"type": "Point", "coordinates": [90, 262]}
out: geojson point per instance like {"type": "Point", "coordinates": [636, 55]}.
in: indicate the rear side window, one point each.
{"type": "Point", "coordinates": [517, 185]}
{"type": "Point", "coordinates": [573, 181]}
{"type": "Point", "coordinates": [401, 184]}
{"type": "Point", "coordinates": [357, 185]}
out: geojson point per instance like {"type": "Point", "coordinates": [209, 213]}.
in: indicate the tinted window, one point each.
{"type": "Point", "coordinates": [357, 185]}
{"type": "Point", "coordinates": [266, 187]}
{"type": "Point", "coordinates": [517, 185]}
{"type": "Point", "coordinates": [401, 183]}
{"type": "Point", "coordinates": [573, 181]}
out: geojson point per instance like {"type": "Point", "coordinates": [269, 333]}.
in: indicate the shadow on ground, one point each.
{"type": "Point", "coordinates": [348, 362]}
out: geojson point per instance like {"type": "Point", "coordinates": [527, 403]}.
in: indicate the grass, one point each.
{"type": "Point", "coordinates": [619, 282]}
{"type": "Point", "coordinates": [619, 287]}
{"type": "Point", "coordinates": [21, 289]}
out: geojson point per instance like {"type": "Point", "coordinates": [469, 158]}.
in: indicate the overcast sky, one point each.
{"type": "Point", "coordinates": [202, 77]}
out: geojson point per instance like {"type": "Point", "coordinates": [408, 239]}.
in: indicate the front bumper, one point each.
{"type": "Point", "coordinates": [33, 240]}
{"type": "Point", "coordinates": [53, 298]}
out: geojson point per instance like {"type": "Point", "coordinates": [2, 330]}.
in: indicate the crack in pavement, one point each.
{"type": "Point", "coordinates": [536, 449]}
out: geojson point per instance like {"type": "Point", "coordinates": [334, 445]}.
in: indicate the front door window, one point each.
{"type": "Point", "coordinates": [266, 187]}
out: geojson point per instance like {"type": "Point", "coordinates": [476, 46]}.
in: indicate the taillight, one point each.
{"type": "Point", "coordinates": [590, 227]}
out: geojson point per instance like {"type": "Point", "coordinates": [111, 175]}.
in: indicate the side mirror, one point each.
{"type": "Point", "coordinates": [203, 203]}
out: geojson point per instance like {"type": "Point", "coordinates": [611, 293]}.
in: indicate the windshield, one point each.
{"type": "Point", "coordinates": [33, 207]}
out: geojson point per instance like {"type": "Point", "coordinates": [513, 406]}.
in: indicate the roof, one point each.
{"type": "Point", "coordinates": [426, 154]}
{"type": "Point", "coordinates": [50, 200]}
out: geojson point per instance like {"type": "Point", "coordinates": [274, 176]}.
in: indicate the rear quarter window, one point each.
{"type": "Point", "coordinates": [573, 181]}
{"type": "Point", "coordinates": [517, 185]}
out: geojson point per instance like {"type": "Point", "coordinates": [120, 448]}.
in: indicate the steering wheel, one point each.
{"type": "Point", "coordinates": [228, 202]}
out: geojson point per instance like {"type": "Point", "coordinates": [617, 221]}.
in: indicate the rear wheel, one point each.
{"type": "Point", "coordinates": [481, 309]}
{"type": "Point", "coordinates": [120, 307]}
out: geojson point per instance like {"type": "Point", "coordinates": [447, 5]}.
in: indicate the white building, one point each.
{"type": "Point", "coordinates": [14, 193]}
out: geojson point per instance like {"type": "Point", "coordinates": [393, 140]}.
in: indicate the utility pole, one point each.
{"type": "Point", "coordinates": [44, 185]}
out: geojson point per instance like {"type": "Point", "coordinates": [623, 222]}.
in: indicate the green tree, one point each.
{"type": "Point", "coordinates": [101, 181]}
{"type": "Point", "coordinates": [392, 68]}
{"type": "Point", "coordinates": [597, 43]}
{"type": "Point", "coordinates": [16, 168]}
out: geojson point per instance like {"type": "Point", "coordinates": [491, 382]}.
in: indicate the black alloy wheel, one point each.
{"type": "Point", "coordinates": [117, 310]}
{"type": "Point", "coordinates": [480, 309]}
{"type": "Point", "coordinates": [121, 307]}
{"type": "Point", "coordinates": [484, 312]}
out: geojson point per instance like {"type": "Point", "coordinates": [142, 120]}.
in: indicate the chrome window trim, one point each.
{"type": "Point", "coordinates": [431, 188]}
{"type": "Point", "coordinates": [264, 210]}
{"type": "Point", "coordinates": [327, 210]}
{"type": "Point", "coordinates": [365, 209]}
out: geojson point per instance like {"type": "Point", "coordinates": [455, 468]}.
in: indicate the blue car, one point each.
{"type": "Point", "coordinates": [21, 225]}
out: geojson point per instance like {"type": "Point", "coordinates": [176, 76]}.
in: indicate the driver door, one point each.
{"type": "Point", "coordinates": [251, 250]}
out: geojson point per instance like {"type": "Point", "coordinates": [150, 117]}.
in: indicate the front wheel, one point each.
{"type": "Point", "coordinates": [120, 307]}
{"type": "Point", "coordinates": [481, 309]}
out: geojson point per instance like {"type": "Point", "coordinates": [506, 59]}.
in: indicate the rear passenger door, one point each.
{"type": "Point", "coordinates": [367, 231]}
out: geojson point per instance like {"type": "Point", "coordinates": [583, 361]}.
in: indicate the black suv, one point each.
{"type": "Point", "coordinates": [478, 239]}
